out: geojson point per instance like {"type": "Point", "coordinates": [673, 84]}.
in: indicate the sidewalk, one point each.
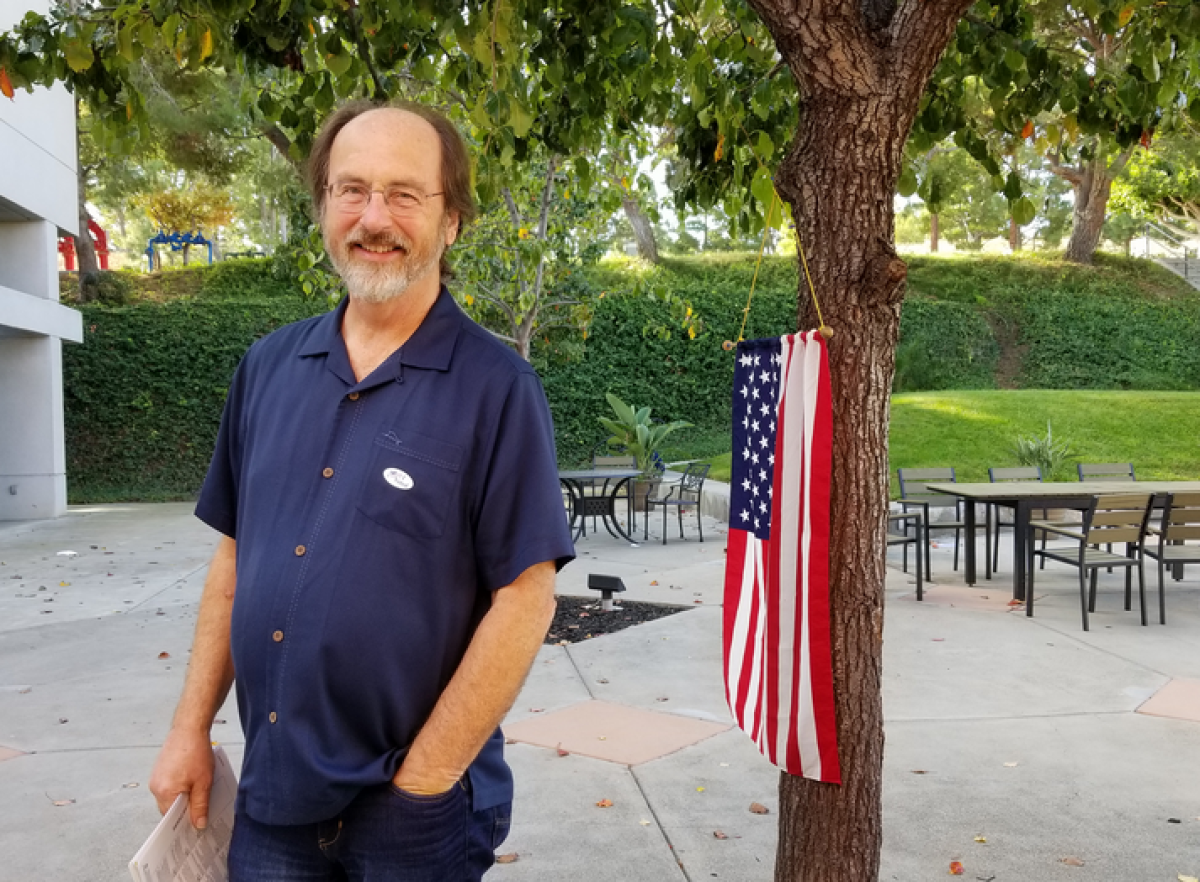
{"type": "Point", "coordinates": [1025, 732]}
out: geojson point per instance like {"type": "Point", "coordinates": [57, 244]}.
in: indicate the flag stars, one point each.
{"type": "Point", "coordinates": [754, 426]}
{"type": "Point", "coordinates": [745, 359]}
{"type": "Point", "coordinates": [754, 393]}
{"type": "Point", "coordinates": [766, 409]}
{"type": "Point", "coordinates": [746, 484]}
{"type": "Point", "coordinates": [764, 377]}
{"type": "Point", "coordinates": [745, 391]}
{"type": "Point", "coordinates": [754, 458]}
{"type": "Point", "coordinates": [762, 442]}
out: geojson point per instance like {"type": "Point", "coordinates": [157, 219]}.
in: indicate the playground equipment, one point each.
{"type": "Point", "coordinates": [177, 242]}
{"type": "Point", "coordinates": [66, 247]}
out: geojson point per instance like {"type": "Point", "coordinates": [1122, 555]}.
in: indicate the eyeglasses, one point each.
{"type": "Point", "coordinates": [400, 201]}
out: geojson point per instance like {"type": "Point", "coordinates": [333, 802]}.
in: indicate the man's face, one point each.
{"type": "Point", "coordinates": [380, 255]}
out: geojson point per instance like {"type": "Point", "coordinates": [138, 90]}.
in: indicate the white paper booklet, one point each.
{"type": "Point", "coordinates": [176, 851]}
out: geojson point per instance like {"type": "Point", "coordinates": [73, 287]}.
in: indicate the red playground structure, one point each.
{"type": "Point", "coordinates": [66, 247]}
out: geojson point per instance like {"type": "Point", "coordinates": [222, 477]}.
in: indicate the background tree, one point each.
{"type": "Point", "coordinates": [1164, 181]}
{"type": "Point", "coordinates": [194, 208]}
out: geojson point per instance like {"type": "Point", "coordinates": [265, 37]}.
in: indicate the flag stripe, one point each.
{"type": "Point", "coordinates": [778, 664]}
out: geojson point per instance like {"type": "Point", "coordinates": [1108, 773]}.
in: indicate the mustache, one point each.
{"type": "Point", "coordinates": [379, 240]}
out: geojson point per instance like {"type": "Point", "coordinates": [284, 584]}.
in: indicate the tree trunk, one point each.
{"type": "Point", "coordinates": [642, 231]}
{"type": "Point", "coordinates": [1092, 185]}
{"type": "Point", "coordinates": [933, 232]}
{"type": "Point", "coordinates": [1014, 235]}
{"type": "Point", "coordinates": [861, 69]}
{"type": "Point", "coordinates": [85, 249]}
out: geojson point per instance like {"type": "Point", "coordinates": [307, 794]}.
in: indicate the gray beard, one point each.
{"type": "Point", "coordinates": [370, 283]}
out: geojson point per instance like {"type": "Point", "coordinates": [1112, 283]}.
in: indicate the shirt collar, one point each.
{"type": "Point", "coordinates": [430, 346]}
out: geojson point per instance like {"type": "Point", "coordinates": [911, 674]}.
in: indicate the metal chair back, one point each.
{"type": "Point", "coordinates": [1106, 471]}
{"type": "Point", "coordinates": [1001, 474]}
{"type": "Point", "coordinates": [1181, 519]}
{"type": "Point", "coordinates": [914, 486]}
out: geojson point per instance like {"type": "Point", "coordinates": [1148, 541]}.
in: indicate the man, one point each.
{"type": "Point", "coordinates": [384, 479]}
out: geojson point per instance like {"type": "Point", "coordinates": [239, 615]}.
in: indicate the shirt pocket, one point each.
{"type": "Point", "coordinates": [411, 483]}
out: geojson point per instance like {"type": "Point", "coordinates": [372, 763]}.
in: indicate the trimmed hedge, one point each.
{"type": "Point", "coordinates": [144, 393]}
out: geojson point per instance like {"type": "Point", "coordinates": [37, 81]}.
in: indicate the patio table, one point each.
{"type": "Point", "coordinates": [603, 506]}
{"type": "Point", "coordinates": [1025, 497]}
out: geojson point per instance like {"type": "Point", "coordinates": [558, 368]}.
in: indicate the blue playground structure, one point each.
{"type": "Point", "coordinates": [177, 241]}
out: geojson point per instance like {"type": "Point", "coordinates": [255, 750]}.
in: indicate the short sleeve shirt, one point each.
{"type": "Point", "coordinates": [373, 520]}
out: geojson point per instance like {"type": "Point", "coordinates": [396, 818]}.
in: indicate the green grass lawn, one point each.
{"type": "Point", "coordinates": [1159, 432]}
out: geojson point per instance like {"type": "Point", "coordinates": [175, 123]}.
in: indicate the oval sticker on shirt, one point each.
{"type": "Point", "coordinates": [398, 479]}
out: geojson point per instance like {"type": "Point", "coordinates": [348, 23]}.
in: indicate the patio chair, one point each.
{"type": "Point", "coordinates": [686, 491]}
{"type": "Point", "coordinates": [1003, 474]}
{"type": "Point", "coordinates": [915, 493]}
{"type": "Point", "coordinates": [1112, 518]}
{"type": "Point", "coordinates": [1106, 471]}
{"type": "Point", "coordinates": [903, 538]}
{"type": "Point", "coordinates": [601, 459]}
{"type": "Point", "coordinates": [1180, 522]}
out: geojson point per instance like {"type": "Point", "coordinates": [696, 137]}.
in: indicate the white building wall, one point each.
{"type": "Point", "coordinates": [38, 200]}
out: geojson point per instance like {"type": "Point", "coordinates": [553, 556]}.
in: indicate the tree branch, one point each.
{"type": "Point", "coordinates": [1073, 176]}
{"type": "Point", "coordinates": [513, 213]}
{"type": "Point", "coordinates": [280, 142]}
{"type": "Point", "coordinates": [364, 52]}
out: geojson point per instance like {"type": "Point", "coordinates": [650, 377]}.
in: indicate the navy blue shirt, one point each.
{"type": "Point", "coordinates": [373, 520]}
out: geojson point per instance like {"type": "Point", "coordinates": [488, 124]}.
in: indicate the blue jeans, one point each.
{"type": "Point", "coordinates": [384, 835]}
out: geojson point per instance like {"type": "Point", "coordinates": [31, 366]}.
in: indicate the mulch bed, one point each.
{"type": "Point", "coordinates": [580, 618]}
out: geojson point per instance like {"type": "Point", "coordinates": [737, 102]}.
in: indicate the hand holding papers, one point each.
{"type": "Point", "coordinates": [176, 851]}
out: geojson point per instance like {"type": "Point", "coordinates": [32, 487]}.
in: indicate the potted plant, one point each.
{"type": "Point", "coordinates": [635, 433]}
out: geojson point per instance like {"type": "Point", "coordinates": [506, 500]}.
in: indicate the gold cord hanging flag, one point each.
{"type": "Point", "coordinates": [824, 329]}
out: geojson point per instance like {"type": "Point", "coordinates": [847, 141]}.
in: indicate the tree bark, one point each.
{"type": "Point", "coordinates": [933, 232]}
{"type": "Point", "coordinates": [642, 231]}
{"type": "Point", "coordinates": [1014, 235]}
{"type": "Point", "coordinates": [85, 250]}
{"type": "Point", "coordinates": [861, 68]}
{"type": "Point", "coordinates": [1092, 185]}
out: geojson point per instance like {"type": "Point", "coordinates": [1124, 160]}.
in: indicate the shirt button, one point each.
{"type": "Point", "coordinates": [277, 636]}
{"type": "Point", "coordinates": [300, 549]}
{"type": "Point", "coordinates": [327, 473]}
{"type": "Point", "coordinates": [353, 396]}
{"type": "Point", "coordinates": [273, 717]}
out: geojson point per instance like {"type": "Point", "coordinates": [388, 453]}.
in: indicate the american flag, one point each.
{"type": "Point", "coordinates": [778, 665]}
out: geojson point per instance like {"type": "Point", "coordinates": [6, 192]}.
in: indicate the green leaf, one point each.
{"type": "Point", "coordinates": [125, 44]}
{"type": "Point", "coordinates": [766, 148]}
{"type": "Point", "coordinates": [907, 185]}
{"type": "Point", "coordinates": [520, 119]}
{"type": "Point", "coordinates": [79, 55]}
{"type": "Point", "coordinates": [1024, 211]}
{"type": "Point", "coordinates": [763, 189]}
{"type": "Point", "coordinates": [339, 64]}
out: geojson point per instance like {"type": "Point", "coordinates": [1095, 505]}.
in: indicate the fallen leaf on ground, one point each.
{"type": "Point", "coordinates": [919, 772]}
{"type": "Point", "coordinates": [25, 691]}
{"type": "Point", "coordinates": [536, 710]}
{"type": "Point", "coordinates": [1183, 878]}
{"type": "Point", "coordinates": [664, 698]}
{"type": "Point", "coordinates": [604, 803]}
{"type": "Point", "coordinates": [759, 809]}
{"type": "Point", "coordinates": [956, 868]}
{"type": "Point", "coordinates": [1072, 862]}
{"type": "Point", "coordinates": [164, 655]}
{"type": "Point", "coordinates": [130, 785]}
{"type": "Point", "coordinates": [1010, 765]}
{"type": "Point", "coordinates": [1174, 821]}
{"type": "Point", "coordinates": [602, 737]}
{"type": "Point", "coordinates": [62, 719]}
{"type": "Point", "coordinates": [699, 789]}
{"type": "Point", "coordinates": [717, 834]}
{"type": "Point", "coordinates": [1016, 603]}
{"type": "Point", "coordinates": [602, 680]}
{"type": "Point", "coordinates": [64, 584]}
{"type": "Point", "coordinates": [64, 802]}
{"type": "Point", "coordinates": [654, 582]}
{"type": "Point", "coordinates": [981, 839]}
{"type": "Point", "coordinates": [509, 858]}
{"type": "Point", "coordinates": [562, 752]}
{"type": "Point", "coordinates": [644, 822]}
